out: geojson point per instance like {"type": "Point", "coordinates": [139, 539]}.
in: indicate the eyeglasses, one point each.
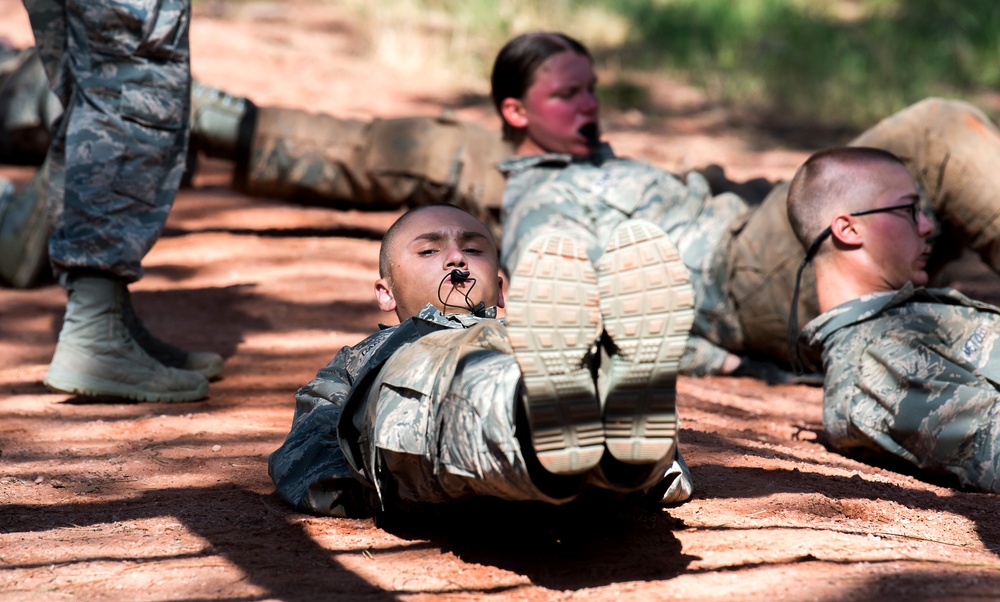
{"type": "Point", "coordinates": [911, 206]}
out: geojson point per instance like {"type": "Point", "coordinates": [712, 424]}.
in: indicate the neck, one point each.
{"type": "Point", "coordinates": [840, 282]}
{"type": "Point", "coordinates": [529, 147]}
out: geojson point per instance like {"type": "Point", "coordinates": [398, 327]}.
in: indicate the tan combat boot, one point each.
{"type": "Point", "coordinates": [207, 363]}
{"type": "Point", "coordinates": [97, 357]}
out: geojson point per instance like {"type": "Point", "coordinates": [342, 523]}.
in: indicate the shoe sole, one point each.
{"type": "Point", "coordinates": [553, 318]}
{"type": "Point", "coordinates": [67, 374]}
{"type": "Point", "coordinates": [647, 305]}
{"type": "Point", "coordinates": [86, 386]}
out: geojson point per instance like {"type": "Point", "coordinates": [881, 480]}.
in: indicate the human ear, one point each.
{"type": "Point", "coordinates": [500, 301]}
{"type": "Point", "coordinates": [513, 113]}
{"type": "Point", "coordinates": [383, 294]}
{"type": "Point", "coordinates": [844, 229]}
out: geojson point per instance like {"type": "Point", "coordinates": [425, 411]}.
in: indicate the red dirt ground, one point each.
{"type": "Point", "coordinates": [173, 502]}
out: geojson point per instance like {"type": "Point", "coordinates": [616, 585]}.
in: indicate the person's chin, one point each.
{"type": "Point", "coordinates": [919, 278]}
{"type": "Point", "coordinates": [579, 149]}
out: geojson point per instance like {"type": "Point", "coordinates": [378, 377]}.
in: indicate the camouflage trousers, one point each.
{"type": "Point", "coordinates": [440, 424]}
{"type": "Point", "coordinates": [953, 152]}
{"type": "Point", "coordinates": [117, 154]}
{"type": "Point", "coordinates": [383, 164]}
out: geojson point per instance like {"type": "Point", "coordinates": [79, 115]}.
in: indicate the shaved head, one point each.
{"type": "Point", "coordinates": [387, 250]}
{"type": "Point", "coordinates": [835, 180]}
{"type": "Point", "coordinates": [422, 250]}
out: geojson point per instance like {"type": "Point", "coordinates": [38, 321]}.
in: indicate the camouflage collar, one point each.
{"type": "Point", "coordinates": [515, 165]}
{"type": "Point", "coordinates": [873, 304]}
{"type": "Point", "coordinates": [429, 313]}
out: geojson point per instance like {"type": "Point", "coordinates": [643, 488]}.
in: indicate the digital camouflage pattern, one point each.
{"type": "Point", "coordinates": [915, 374]}
{"type": "Point", "coordinates": [310, 469]}
{"type": "Point", "coordinates": [118, 154]}
{"type": "Point", "coordinates": [588, 197]}
{"type": "Point", "coordinates": [421, 412]}
{"type": "Point", "coordinates": [440, 419]}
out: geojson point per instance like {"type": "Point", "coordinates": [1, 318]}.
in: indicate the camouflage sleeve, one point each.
{"type": "Point", "coordinates": [897, 389]}
{"type": "Point", "coordinates": [702, 357]}
{"type": "Point", "coordinates": [309, 470]}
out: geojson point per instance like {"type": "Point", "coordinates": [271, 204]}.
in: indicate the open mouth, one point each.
{"type": "Point", "coordinates": [591, 133]}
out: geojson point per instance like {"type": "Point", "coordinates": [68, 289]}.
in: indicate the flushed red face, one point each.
{"type": "Point", "coordinates": [429, 245]}
{"type": "Point", "coordinates": [559, 102]}
{"type": "Point", "coordinates": [896, 241]}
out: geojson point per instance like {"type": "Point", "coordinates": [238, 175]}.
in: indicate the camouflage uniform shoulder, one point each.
{"type": "Point", "coordinates": [904, 301]}
{"type": "Point", "coordinates": [915, 373]}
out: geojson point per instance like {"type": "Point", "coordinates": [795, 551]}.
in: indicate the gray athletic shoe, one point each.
{"type": "Point", "coordinates": [96, 356]}
{"type": "Point", "coordinates": [24, 233]}
{"type": "Point", "coordinates": [553, 320]}
{"type": "Point", "coordinates": [647, 305]}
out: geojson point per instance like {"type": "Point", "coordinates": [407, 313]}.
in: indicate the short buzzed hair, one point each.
{"type": "Point", "coordinates": [385, 251]}
{"type": "Point", "coordinates": [830, 181]}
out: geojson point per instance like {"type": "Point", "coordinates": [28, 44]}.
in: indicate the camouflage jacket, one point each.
{"type": "Point", "coordinates": [589, 197]}
{"type": "Point", "coordinates": [311, 470]}
{"type": "Point", "coordinates": [915, 374]}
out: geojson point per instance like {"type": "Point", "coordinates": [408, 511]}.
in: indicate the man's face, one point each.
{"type": "Point", "coordinates": [559, 102]}
{"type": "Point", "coordinates": [429, 245]}
{"type": "Point", "coordinates": [896, 242]}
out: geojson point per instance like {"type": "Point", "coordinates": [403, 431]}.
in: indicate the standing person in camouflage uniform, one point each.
{"type": "Point", "coordinates": [115, 160]}
{"type": "Point", "coordinates": [742, 259]}
{"type": "Point", "coordinates": [911, 373]}
{"type": "Point", "coordinates": [431, 410]}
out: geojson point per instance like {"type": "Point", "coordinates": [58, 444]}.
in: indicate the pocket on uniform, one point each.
{"type": "Point", "coordinates": [401, 417]}
{"type": "Point", "coordinates": [153, 121]}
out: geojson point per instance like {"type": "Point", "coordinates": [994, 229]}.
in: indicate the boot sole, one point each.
{"type": "Point", "coordinates": [76, 383]}
{"type": "Point", "coordinates": [553, 317]}
{"type": "Point", "coordinates": [647, 305]}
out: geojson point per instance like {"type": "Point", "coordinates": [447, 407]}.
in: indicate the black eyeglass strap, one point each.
{"type": "Point", "coordinates": [794, 349]}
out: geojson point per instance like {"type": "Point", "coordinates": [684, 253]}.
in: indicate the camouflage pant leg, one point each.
{"type": "Point", "coordinates": [953, 152]}
{"type": "Point", "coordinates": [27, 108]}
{"type": "Point", "coordinates": [763, 259]}
{"type": "Point", "coordinates": [440, 419]}
{"type": "Point", "coordinates": [118, 154]}
{"type": "Point", "coordinates": [305, 157]}
{"type": "Point", "coordinates": [385, 164]}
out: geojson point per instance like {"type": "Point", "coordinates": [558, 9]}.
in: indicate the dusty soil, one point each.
{"type": "Point", "coordinates": [173, 502]}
